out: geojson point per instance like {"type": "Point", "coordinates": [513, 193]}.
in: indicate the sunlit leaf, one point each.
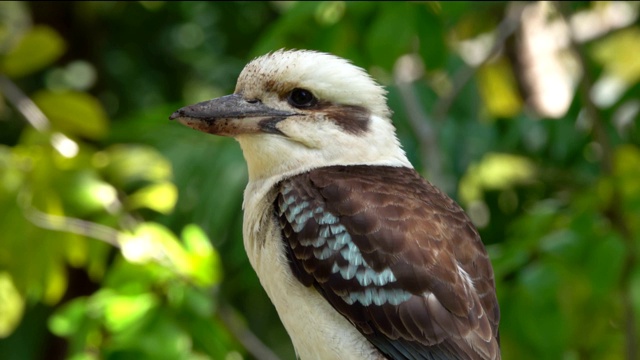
{"type": "Point", "coordinates": [496, 172]}
{"type": "Point", "coordinates": [205, 266]}
{"type": "Point", "coordinates": [617, 53]}
{"type": "Point", "coordinates": [160, 197]}
{"type": "Point", "coordinates": [74, 113]}
{"type": "Point", "coordinates": [37, 49]}
{"type": "Point", "coordinates": [152, 241]}
{"type": "Point", "coordinates": [122, 311]}
{"type": "Point", "coordinates": [199, 262]}
{"type": "Point", "coordinates": [83, 192]}
{"type": "Point", "coordinates": [196, 241]}
{"type": "Point", "coordinates": [11, 305]}
{"type": "Point", "coordinates": [499, 90]}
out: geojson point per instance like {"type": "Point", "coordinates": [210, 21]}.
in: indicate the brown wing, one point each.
{"type": "Point", "coordinates": [394, 255]}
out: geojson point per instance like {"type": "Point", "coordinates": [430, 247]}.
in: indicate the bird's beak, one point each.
{"type": "Point", "coordinates": [231, 115]}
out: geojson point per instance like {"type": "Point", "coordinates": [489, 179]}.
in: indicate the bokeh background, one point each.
{"type": "Point", "coordinates": [120, 231]}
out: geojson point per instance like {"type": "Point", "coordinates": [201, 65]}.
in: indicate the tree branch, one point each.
{"type": "Point", "coordinates": [67, 224]}
{"type": "Point", "coordinates": [257, 349]}
{"type": "Point", "coordinates": [25, 106]}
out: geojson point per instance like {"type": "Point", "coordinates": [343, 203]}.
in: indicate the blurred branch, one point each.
{"type": "Point", "coordinates": [249, 340]}
{"type": "Point", "coordinates": [67, 224]}
{"type": "Point", "coordinates": [505, 29]}
{"type": "Point", "coordinates": [27, 108]}
{"type": "Point", "coordinates": [615, 212]}
{"type": "Point", "coordinates": [32, 113]}
{"type": "Point", "coordinates": [423, 124]}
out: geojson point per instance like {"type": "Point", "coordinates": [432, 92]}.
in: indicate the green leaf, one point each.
{"type": "Point", "coordinates": [430, 29]}
{"type": "Point", "coordinates": [68, 319]}
{"type": "Point", "coordinates": [11, 305]}
{"type": "Point", "coordinates": [539, 316]}
{"type": "Point", "coordinates": [390, 35]}
{"type": "Point", "coordinates": [74, 113]}
{"type": "Point", "coordinates": [604, 264]}
{"type": "Point", "coordinates": [38, 48]}
{"type": "Point", "coordinates": [301, 13]}
{"type": "Point", "coordinates": [164, 339]}
{"type": "Point", "coordinates": [626, 168]}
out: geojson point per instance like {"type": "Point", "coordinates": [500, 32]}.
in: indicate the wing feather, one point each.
{"type": "Point", "coordinates": [395, 256]}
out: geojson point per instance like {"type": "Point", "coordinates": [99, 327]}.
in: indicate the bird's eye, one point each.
{"type": "Point", "coordinates": [301, 98]}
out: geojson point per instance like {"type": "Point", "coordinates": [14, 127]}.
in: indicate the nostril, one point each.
{"type": "Point", "coordinates": [253, 101]}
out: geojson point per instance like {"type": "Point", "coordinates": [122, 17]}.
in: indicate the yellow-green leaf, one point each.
{"type": "Point", "coordinates": [499, 90]}
{"type": "Point", "coordinates": [38, 48]}
{"type": "Point", "coordinates": [123, 311]}
{"type": "Point", "coordinates": [74, 113]}
{"type": "Point", "coordinates": [205, 267]}
{"type": "Point", "coordinates": [618, 53]}
{"type": "Point", "coordinates": [154, 242]}
{"type": "Point", "coordinates": [56, 284]}
{"type": "Point", "coordinates": [128, 165]}
{"type": "Point", "coordinates": [11, 305]}
{"type": "Point", "coordinates": [496, 172]}
{"type": "Point", "coordinates": [160, 197]}
{"type": "Point", "coordinates": [626, 168]}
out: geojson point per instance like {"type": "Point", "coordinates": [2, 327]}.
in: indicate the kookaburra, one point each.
{"type": "Point", "coordinates": [362, 257]}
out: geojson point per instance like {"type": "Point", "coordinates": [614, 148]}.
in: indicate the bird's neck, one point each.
{"type": "Point", "coordinates": [271, 158]}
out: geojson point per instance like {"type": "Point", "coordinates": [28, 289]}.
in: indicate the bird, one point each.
{"type": "Point", "coordinates": [360, 255]}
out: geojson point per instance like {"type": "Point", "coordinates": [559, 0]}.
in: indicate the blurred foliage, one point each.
{"type": "Point", "coordinates": [121, 231]}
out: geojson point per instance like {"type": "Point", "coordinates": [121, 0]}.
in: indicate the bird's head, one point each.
{"type": "Point", "coordinates": [296, 110]}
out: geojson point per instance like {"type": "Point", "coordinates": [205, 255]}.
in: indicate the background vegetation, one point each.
{"type": "Point", "coordinates": [120, 232]}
